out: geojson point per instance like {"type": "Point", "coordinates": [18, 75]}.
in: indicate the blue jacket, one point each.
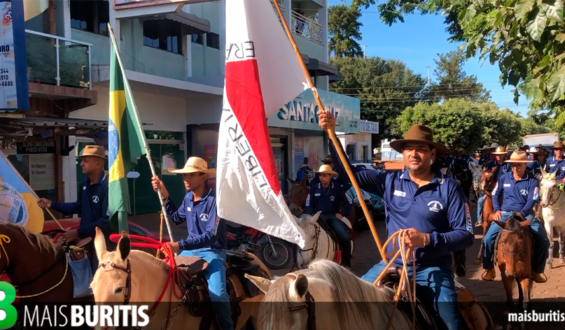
{"type": "Point", "coordinates": [463, 162]}
{"type": "Point", "coordinates": [438, 208]}
{"type": "Point", "coordinates": [500, 168]}
{"type": "Point", "coordinates": [556, 166]}
{"type": "Point", "coordinates": [307, 171]}
{"type": "Point", "coordinates": [535, 167]}
{"type": "Point", "coordinates": [518, 195]}
{"type": "Point", "coordinates": [484, 160]}
{"type": "Point", "coordinates": [92, 205]}
{"type": "Point", "coordinates": [328, 200]}
{"type": "Point", "coordinates": [205, 228]}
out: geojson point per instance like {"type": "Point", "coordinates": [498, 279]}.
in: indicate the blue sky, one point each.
{"type": "Point", "coordinates": [417, 42]}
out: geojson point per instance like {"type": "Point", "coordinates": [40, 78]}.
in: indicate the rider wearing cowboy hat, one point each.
{"type": "Point", "coordinates": [305, 171]}
{"type": "Point", "coordinates": [519, 192]}
{"type": "Point", "coordinates": [431, 209]}
{"type": "Point", "coordinates": [486, 156]}
{"type": "Point", "coordinates": [206, 231]}
{"type": "Point", "coordinates": [326, 196]}
{"type": "Point", "coordinates": [539, 155]}
{"type": "Point", "coordinates": [557, 164]}
{"type": "Point", "coordinates": [500, 168]}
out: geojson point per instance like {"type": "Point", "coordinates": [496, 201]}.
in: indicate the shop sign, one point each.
{"type": "Point", "coordinates": [369, 127]}
{"type": "Point", "coordinates": [42, 172]}
{"type": "Point", "coordinates": [301, 113]}
{"type": "Point", "coordinates": [35, 147]}
{"type": "Point", "coordinates": [125, 4]}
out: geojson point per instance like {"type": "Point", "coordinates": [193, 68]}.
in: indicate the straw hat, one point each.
{"type": "Point", "coordinates": [93, 151]}
{"type": "Point", "coordinates": [327, 169]}
{"type": "Point", "coordinates": [418, 133]}
{"type": "Point", "coordinates": [196, 165]}
{"type": "Point", "coordinates": [558, 146]}
{"type": "Point", "coordinates": [500, 151]}
{"type": "Point", "coordinates": [519, 156]}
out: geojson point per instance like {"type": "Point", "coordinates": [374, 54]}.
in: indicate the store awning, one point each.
{"type": "Point", "coordinates": [317, 67]}
{"type": "Point", "coordinates": [192, 23]}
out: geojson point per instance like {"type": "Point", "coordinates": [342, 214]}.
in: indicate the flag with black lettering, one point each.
{"type": "Point", "coordinates": [262, 74]}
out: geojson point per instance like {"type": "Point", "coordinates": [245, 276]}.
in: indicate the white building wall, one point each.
{"type": "Point", "coordinates": [359, 140]}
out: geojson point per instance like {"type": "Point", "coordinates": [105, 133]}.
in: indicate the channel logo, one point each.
{"type": "Point", "coordinates": [8, 313]}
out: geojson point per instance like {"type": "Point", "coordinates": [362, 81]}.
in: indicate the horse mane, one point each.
{"type": "Point", "coordinates": [512, 223]}
{"type": "Point", "coordinates": [148, 258]}
{"type": "Point", "coordinates": [38, 241]}
{"type": "Point", "coordinates": [354, 296]}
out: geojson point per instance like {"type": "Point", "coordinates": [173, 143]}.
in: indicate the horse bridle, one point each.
{"type": "Point", "coordinates": [556, 200]}
{"type": "Point", "coordinates": [519, 252]}
{"type": "Point", "coordinates": [314, 247]}
{"type": "Point", "coordinates": [127, 290]}
{"type": "Point", "coordinates": [310, 307]}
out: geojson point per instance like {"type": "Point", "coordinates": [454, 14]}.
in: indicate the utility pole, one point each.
{"type": "Point", "coordinates": [364, 47]}
{"type": "Point", "coordinates": [428, 74]}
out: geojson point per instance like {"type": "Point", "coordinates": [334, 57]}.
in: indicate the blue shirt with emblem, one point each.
{"type": "Point", "coordinates": [92, 204]}
{"type": "Point", "coordinates": [517, 195]}
{"type": "Point", "coordinates": [438, 208]}
{"type": "Point", "coordinates": [205, 228]}
{"type": "Point", "coordinates": [500, 168]}
{"type": "Point", "coordinates": [327, 199]}
{"type": "Point", "coordinates": [558, 166]}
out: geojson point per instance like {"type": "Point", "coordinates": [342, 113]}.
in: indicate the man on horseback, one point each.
{"type": "Point", "coordinates": [305, 171]}
{"type": "Point", "coordinates": [500, 167]}
{"type": "Point", "coordinates": [92, 203]}
{"type": "Point", "coordinates": [430, 207]}
{"type": "Point", "coordinates": [557, 163]}
{"type": "Point", "coordinates": [485, 155]}
{"type": "Point", "coordinates": [539, 155]}
{"type": "Point", "coordinates": [326, 197]}
{"type": "Point", "coordinates": [206, 231]}
{"type": "Point", "coordinates": [519, 193]}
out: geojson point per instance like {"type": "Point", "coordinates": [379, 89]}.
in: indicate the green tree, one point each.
{"type": "Point", "coordinates": [384, 87]}
{"type": "Point", "coordinates": [344, 31]}
{"type": "Point", "coordinates": [453, 82]}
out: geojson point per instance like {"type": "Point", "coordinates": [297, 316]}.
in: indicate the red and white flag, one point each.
{"type": "Point", "coordinates": [262, 74]}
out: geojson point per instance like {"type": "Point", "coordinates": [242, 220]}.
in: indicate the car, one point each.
{"type": "Point", "coordinates": [72, 223]}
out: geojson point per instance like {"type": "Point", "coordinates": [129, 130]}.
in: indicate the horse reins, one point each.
{"type": "Point", "coordinates": [310, 307]}
{"type": "Point", "coordinates": [556, 200]}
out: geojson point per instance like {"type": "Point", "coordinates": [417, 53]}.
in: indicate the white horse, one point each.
{"type": "Point", "coordinates": [552, 200]}
{"type": "Point", "coordinates": [347, 302]}
{"type": "Point", "coordinates": [319, 244]}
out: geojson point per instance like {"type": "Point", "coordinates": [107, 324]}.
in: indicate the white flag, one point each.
{"type": "Point", "coordinates": [262, 74]}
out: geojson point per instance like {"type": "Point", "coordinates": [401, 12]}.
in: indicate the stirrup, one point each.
{"type": "Point", "coordinates": [485, 273]}
{"type": "Point", "coordinates": [544, 281]}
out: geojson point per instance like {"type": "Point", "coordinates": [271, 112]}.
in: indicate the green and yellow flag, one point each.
{"type": "Point", "coordinates": [125, 142]}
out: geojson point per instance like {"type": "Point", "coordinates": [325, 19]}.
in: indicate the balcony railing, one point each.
{"type": "Point", "coordinates": [306, 27]}
{"type": "Point", "coordinates": [57, 61]}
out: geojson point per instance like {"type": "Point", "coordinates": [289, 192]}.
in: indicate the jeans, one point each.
{"type": "Point", "coordinates": [342, 232]}
{"type": "Point", "coordinates": [480, 205]}
{"type": "Point", "coordinates": [541, 244]}
{"type": "Point", "coordinates": [216, 276]}
{"type": "Point", "coordinates": [437, 288]}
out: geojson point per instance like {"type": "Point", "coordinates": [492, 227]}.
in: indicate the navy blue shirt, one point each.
{"type": "Point", "coordinates": [462, 161]}
{"type": "Point", "coordinates": [500, 168]}
{"type": "Point", "coordinates": [205, 228]}
{"type": "Point", "coordinates": [438, 208]}
{"type": "Point", "coordinates": [555, 165]}
{"type": "Point", "coordinates": [484, 160]}
{"type": "Point", "coordinates": [327, 199]}
{"type": "Point", "coordinates": [535, 167]}
{"type": "Point", "coordinates": [92, 204]}
{"type": "Point", "coordinates": [517, 196]}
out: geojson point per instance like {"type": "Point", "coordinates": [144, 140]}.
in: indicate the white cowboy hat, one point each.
{"type": "Point", "coordinates": [494, 145]}
{"type": "Point", "coordinates": [327, 169]}
{"type": "Point", "coordinates": [533, 150]}
{"type": "Point", "coordinates": [195, 165]}
{"type": "Point", "coordinates": [485, 147]}
{"type": "Point", "coordinates": [519, 156]}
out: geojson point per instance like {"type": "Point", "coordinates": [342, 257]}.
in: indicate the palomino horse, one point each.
{"type": "Point", "coordinates": [514, 258]}
{"type": "Point", "coordinates": [132, 276]}
{"type": "Point", "coordinates": [552, 201]}
{"type": "Point", "coordinates": [319, 244]}
{"type": "Point", "coordinates": [488, 182]}
{"type": "Point", "coordinates": [348, 302]}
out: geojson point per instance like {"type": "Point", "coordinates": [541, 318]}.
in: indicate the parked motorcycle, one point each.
{"type": "Point", "coordinates": [274, 253]}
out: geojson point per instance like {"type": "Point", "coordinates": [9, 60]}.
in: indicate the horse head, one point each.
{"type": "Point", "coordinates": [298, 193]}
{"type": "Point", "coordinates": [121, 273]}
{"type": "Point", "coordinates": [488, 180]}
{"type": "Point", "coordinates": [312, 231]}
{"type": "Point", "coordinates": [548, 189]}
{"type": "Point", "coordinates": [514, 246]}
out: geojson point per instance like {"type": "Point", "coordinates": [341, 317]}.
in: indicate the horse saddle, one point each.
{"type": "Point", "coordinates": [473, 313]}
{"type": "Point", "coordinates": [78, 250]}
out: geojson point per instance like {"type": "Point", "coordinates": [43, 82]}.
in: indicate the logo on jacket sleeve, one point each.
{"type": "Point", "coordinates": [536, 194]}
{"type": "Point", "coordinates": [215, 229]}
{"type": "Point", "coordinates": [204, 217]}
{"type": "Point", "coordinates": [435, 206]}
{"type": "Point", "coordinates": [468, 218]}
{"type": "Point", "coordinates": [308, 200]}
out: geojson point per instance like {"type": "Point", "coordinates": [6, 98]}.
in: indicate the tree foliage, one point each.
{"type": "Point", "coordinates": [344, 31]}
{"type": "Point", "coordinates": [453, 82]}
{"type": "Point", "coordinates": [461, 123]}
{"type": "Point", "coordinates": [384, 87]}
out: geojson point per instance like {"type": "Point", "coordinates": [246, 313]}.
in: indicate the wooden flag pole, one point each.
{"type": "Point", "coordinates": [32, 191]}
{"type": "Point", "coordinates": [147, 150]}
{"type": "Point", "coordinates": [333, 137]}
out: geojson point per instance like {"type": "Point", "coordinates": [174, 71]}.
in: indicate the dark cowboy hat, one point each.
{"type": "Point", "coordinates": [418, 133]}
{"type": "Point", "coordinates": [558, 146]}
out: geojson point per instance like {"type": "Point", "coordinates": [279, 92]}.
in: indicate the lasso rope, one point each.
{"type": "Point", "coordinates": [5, 239]}
{"type": "Point", "coordinates": [405, 252]}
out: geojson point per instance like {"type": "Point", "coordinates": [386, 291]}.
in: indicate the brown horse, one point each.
{"type": "Point", "coordinates": [37, 267]}
{"type": "Point", "coordinates": [488, 182]}
{"type": "Point", "coordinates": [514, 256]}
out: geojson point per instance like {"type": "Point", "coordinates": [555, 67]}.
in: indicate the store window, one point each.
{"type": "Point", "coordinates": [198, 38]}
{"type": "Point", "coordinates": [90, 16]}
{"type": "Point", "coordinates": [163, 34]}
{"type": "Point", "coordinates": [213, 40]}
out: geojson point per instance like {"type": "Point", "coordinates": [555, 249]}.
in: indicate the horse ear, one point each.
{"type": "Point", "coordinates": [526, 223]}
{"type": "Point", "coordinates": [543, 173]}
{"type": "Point", "coordinates": [500, 223]}
{"type": "Point", "coordinates": [303, 182]}
{"type": "Point", "coordinates": [553, 175]}
{"type": "Point", "coordinates": [300, 286]}
{"type": "Point", "coordinates": [292, 182]}
{"type": "Point", "coordinates": [315, 217]}
{"type": "Point", "coordinates": [261, 283]}
{"type": "Point", "coordinates": [124, 245]}
{"type": "Point", "coordinates": [100, 244]}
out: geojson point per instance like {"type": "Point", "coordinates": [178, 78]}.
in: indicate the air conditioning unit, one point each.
{"type": "Point", "coordinates": [276, 143]}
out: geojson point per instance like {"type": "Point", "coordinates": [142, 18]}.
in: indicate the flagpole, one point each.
{"type": "Point", "coordinates": [31, 189]}
{"type": "Point", "coordinates": [147, 151]}
{"type": "Point", "coordinates": [332, 135]}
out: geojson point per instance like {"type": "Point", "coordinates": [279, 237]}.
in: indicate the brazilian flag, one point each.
{"type": "Point", "coordinates": [125, 142]}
